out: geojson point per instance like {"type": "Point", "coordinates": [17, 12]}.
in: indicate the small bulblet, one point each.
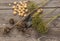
{"type": "Point", "coordinates": [11, 21]}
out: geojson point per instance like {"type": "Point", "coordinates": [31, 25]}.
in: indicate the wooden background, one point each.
{"type": "Point", "coordinates": [5, 15]}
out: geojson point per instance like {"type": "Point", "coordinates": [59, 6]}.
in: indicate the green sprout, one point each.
{"type": "Point", "coordinates": [31, 6]}
{"type": "Point", "coordinates": [37, 19]}
{"type": "Point", "coordinates": [38, 24]}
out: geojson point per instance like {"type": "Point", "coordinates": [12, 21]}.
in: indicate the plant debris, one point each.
{"type": "Point", "coordinates": [6, 30]}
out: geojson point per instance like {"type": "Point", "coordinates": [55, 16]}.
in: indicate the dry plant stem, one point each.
{"type": "Point", "coordinates": [50, 12]}
{"type": "Point", "coordinates": [53, 18]}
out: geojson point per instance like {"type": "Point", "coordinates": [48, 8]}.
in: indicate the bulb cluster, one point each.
{"type": "Point", "coordinates": [20, 8]}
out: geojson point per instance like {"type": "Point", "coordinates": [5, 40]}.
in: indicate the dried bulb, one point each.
{"type": "Point", "coordinates": [14, 7]}
{"type": "Point", "coordinates": [9, 4]}
{"type": "Point", "coordinates": [14, 12]}
{"type": "Point", "coordinates": [15, 2]}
